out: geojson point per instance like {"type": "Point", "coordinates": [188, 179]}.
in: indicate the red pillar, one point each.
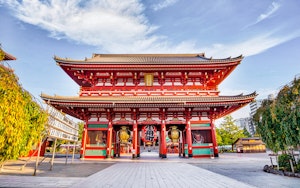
{"type": "Point", "coordinates": [183, 142]}
{"type": "Point", "coordinates": [163, 143]}
{"type": "Point", "coordinates": [135, 139]}
{"type": "Point", "coordinates": [214, 138]}
{"type": "Point", "coordinates": [138, 143]}
{"type": "Point", "coordinates": [189, 138]}
{"type": "Point", "coordinates": [114, 142]}
{"type": "Point", "coordinates": [83, 142]}
{"type": "Point", "coordinates": [109, 139]}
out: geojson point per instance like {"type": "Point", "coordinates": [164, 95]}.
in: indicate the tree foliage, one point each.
{"type": "Point", "coordinates": [246, 133]}
{"type": "Point", "coordinates": [228, 131]}
{"type": "Point", "coordinates": [278, 121]}
{"type": "Point", "coordinates": [2, 54]}
{"type": "Point", "coordinates": [80, 131]}
{"type": "Point", "coordinates": [21, 119]}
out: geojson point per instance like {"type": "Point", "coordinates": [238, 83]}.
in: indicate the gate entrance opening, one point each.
{"type": "Point", "coordinates": [149, 139]}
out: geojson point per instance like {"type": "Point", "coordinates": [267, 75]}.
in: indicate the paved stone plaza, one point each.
{"type": "Point", "coordinates": [229, 170]}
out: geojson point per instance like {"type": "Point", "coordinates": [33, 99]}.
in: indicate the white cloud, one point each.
{"type": "Point", "coordinates": [107, 24]}
{"type": "Point", "coordinates": [251, 46]}
{"type": "Point", "coordinates": [118, 26]}
{"type": "Point", "coordinates": [271, 10]}
{"type": "Point", "coordinates": [263, 93]}
{"type": "Point", "coordinates": [163, 4]}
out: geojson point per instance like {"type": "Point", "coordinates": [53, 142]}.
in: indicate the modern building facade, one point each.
{"type": "Point", "coordinates": [128, 101]}
{"type": "Point", "coordinates": [246, 123]}
{"type": "Point", "coordinates": [254, 105]}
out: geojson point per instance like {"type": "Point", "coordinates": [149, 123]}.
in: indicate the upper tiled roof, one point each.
{"type": "Point", "coordinates": [148, 59]}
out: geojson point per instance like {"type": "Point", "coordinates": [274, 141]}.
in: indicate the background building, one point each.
{"type": "Point", "coordinates": [246, 123]}
{"type": "Point", "coordinates": [254, 106]}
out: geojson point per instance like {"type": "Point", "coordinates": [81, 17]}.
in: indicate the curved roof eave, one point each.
{"type": "Point", "coordinates": [149, 99]}
{"type": "Point", "coordinates": [155, 59]}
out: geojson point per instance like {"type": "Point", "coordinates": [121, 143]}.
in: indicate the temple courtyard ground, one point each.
{"type": "Point", "coordinates": [228, 170]}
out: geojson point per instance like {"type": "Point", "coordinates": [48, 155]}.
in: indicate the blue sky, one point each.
{"type": "Point", "coordinates": [266, 32]}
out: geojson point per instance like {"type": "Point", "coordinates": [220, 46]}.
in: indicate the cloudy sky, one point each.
{"type": "Point", "coordinates": [266, 32]}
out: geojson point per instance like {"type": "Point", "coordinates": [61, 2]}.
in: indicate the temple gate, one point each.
{"type": "Point", "coordinates": [167, 102]}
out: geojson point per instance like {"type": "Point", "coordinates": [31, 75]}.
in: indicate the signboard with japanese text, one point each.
{"type": "Point", "coordinates": [60, 126]}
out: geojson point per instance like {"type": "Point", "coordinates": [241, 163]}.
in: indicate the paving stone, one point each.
{"type": "Point", "coordinates": [149, 171]}
{"type": "Point", "coordinates": [157, 174]}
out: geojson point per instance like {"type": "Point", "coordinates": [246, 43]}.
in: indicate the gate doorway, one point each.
{"type": "Point", "coordinates": [122, 143]}
{"type": "Point", "coordinates": [149, 139]}
{"type": "Point", "coordinates": [175, 137]}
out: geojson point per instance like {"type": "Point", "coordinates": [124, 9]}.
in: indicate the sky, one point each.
{"type": "Point", "coordinates": [266, 33]}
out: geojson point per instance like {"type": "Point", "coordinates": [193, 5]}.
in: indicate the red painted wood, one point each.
{"type": "Point", "coordinates": [189, 138]}
{"type": "Point", "coordinates": [163, 140]}
{"type": "Point", "coordinates": [135, 139]}
{"type": "Point", "coordinates": [109, 139]}
{"type": "Point", "coordinates": [214, 138]}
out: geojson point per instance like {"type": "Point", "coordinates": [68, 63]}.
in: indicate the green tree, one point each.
{"type": "Point", "coordinates": [219, 138]}
{"type": "Point", "coordinates": [229, 132]}
{"type": "Point", "coordinates": [246, 133]}
{"type": "Point", "coordinates": [266, 124]}
{"type": "Point", "coordinates": [80, 131]}
{"type": "Point", "coordinates": [21, 119]}
{"type": "Point", "coordinates": [278, 121]}
{"type": "Point", "coordinates": [288, 113]}
{"type": "Point", "coordinates": [2, 54]}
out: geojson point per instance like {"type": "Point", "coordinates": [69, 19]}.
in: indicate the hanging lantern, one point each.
{"type": "Point", "coordinates": [124, 135]}
{"type": "Point", "coordinates": [149, 133]}
{"type": "Point", "coordinates": [174, 134]}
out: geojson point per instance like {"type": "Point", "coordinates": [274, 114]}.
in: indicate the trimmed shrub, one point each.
{"type": "Point", "coordinates": [284, 161]}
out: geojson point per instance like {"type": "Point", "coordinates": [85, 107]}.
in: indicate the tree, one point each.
{"type": "Point", "coordinates": [219, 138]}
{"type": "Point", "coordinates": [22, 120]}
{"type": "Point", "coordinates": [278, 121]}
{"type": "Point", "coordinates": [2, 54]}
{"type": "Point", "coordinates": [81, 127]}
{"type": "Point", "coordinates": [246, 133]}
{"type": "Point", "coordinates": [229, 132]}
{"type": "Point", "coordinates": [288, 113]}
